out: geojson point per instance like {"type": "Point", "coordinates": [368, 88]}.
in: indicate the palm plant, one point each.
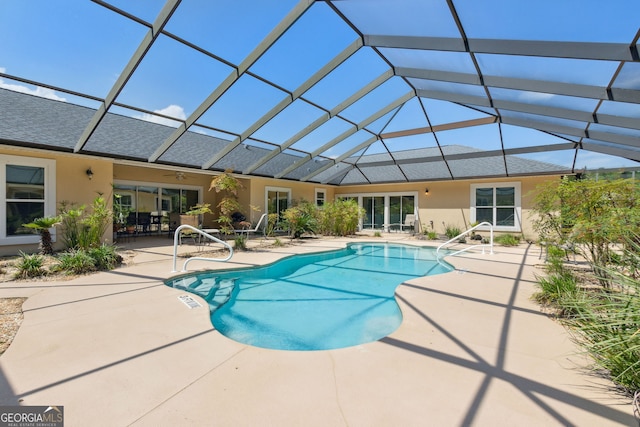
{"type": "Point", "coordinates": [299, 220]}
{"type": "Point", "coordinates": [42, 225]}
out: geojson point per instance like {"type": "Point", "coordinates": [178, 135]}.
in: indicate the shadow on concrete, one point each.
{"type": "Point", "coordinates": [495, 371]}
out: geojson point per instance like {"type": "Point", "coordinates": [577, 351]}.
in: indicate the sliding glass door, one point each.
{"type": "Point", "coordinates": [149, 206]}
{"type": "Point", "coordinates": [374, 213]}
{"type": "Point", "coordinates": [399, 208]}
{"type": "Point", "coordinates": [278, 200]}
{"type": "Point", "coordinates": [386, 211]}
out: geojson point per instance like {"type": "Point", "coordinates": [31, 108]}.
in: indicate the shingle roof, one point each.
{"type": "Point", "coordinates": [34, 121]}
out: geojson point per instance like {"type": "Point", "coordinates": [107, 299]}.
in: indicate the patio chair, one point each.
{"type": "Point", "coordinates": [177, 219]}
{"type": "Point", "coordinates": [174, 223]}
{"type": "Point", "coordinates": [144, 222]}
{"type": "Point", "coordinates": [409, 222]}
{"type": "Point", "coordinates": [259, 227]}
{"type": "Point", "coordinates": [567, 247]}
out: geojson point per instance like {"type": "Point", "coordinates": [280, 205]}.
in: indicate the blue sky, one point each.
{"type": "Point", "coordinates": [82, 46]}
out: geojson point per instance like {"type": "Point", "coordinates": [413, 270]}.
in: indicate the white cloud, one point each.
{"type": "Point", "coordinates": [592, 161]}
{"type": "Point", "coordinates": [535, 96]}
{"type": "Point", "coordinates": [38, 91]}
{"type": "Point", "coordinates": [172, 111]}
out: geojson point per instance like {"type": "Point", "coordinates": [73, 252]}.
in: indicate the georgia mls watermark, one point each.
{"type": "Point", "coordinates": [31, 416]}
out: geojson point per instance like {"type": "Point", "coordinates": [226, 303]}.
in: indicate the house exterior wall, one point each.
{"type": "Point", "coordinates": [135, 174]}
{"type": "Point", "coordinates": [72, 186]}
{"type": "Point", "coordinates": [299, 191]}
{"type": "Point", "coordinates": [447, 203]}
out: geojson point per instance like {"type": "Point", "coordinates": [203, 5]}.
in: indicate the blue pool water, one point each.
{"type": "Point", "coordinates": [315, 301]}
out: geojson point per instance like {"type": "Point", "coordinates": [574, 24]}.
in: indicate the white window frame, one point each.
{"type": "Point", "coordinates": [279, 190]}
{"type": "Point", "coordinates": [324, 196]}
{"type": "Point", "coordinates": [160, 186]}
{"type": "Point", "coordinates": [387, 195]}
{"type": "Point", "coordinates": [517, 224]}
{"type": "Point", "coordinates": [49, 167]}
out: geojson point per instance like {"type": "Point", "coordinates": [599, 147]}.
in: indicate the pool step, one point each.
{"type": "Point", "coordinates": [186, 283]}
{"type": "Point", "coordinates": [201, 287]}
{"type": "Point", "coordinates": [204, 287]}
{"type": "Point", "coordinates": [221, 293]}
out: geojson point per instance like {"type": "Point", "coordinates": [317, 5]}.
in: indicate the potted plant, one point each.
{"type": "Point", "coordinates": [130, 225]}
{"type": "Point", "coordinates": [193, 216]}
{"type": "Point", "coordinates": [120, 214]}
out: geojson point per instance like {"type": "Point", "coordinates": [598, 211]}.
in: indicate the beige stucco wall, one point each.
{"type": "Point", "coordinates": [448, 202]}
{"type": "Point", "coordinates": [299, 191]}
{"type": "Point", "coordinates": [252, 196]}
{"type": "Point", "coordinates": [72, 185]}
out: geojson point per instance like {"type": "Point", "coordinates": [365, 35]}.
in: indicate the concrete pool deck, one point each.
{"type": "Point", "coordinates": [119, 348]}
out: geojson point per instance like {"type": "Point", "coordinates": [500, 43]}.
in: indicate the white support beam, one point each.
{"type": "Point", "coordinates": [144, 46]}
{"type": "Point", "coordinates": [259, 50]}
{"type": "Point", "coordinates": [321, 120]}
{"type": "Point", "coordinates": [341, 57]}
{"type": "Point", "coordinates": [340, 158]}
{"type": "Point", "coordinates": [398, 102]}
{"type": "Point", "coordinates": [440, 128]}
{"type": "Point", "coordinates": [553, 49]}
{"type": "Point", "coordinates": [528, 85]}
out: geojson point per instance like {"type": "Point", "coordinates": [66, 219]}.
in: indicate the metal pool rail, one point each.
{"type": "Point", "coordinates": [176, 238]}
{"type": "Point", "coordinates": [483, 245]}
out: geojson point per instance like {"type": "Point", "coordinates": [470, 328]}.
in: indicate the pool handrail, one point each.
{"type": "Point", "coordinates": [176, 238]}
{"type": "Point", "coordinates": [483, 245]}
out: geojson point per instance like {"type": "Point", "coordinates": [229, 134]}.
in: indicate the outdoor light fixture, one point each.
{"type": "Point", "coordinates": [426, 191]}
{"type": "Point", "coordinates": [89, 173]}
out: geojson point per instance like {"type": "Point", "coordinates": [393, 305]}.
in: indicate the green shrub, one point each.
{"type": "Point", "coordinates": [452, 231]}
{"type": "Point", "coordinates": [595, 216]}
{"type": "Point", "coordinates": [300, 219]}
{"type": "Point", "coordinates": [30, 266]}
{"type": "Point", "coordinates": [607, 326]}
{"type": "Point", "coordinates": [105, 257]}
{"type": "Point", "coordinates": [507, 240]}
{"type": "Point", "coordinates": [555, 259]}
{"type": "Point", "coordinates": [431, 235]}
{"type": "Point", "coordinates": [76, 261]}
{"type": "Point", "coordinates": [605, 321]}
{"type": "Point", "coordinates": [82, 229]}
{"type": "Point", "coordinates": [339, 218]}
{"type": "Point", "coordinates": [240, 243]}
{"type": "Point", "coordinates": [278, 243]}
{"type": "Point", "coordinates": [272, 224]}
{"type": "Point", "coordinates": [554, 287]}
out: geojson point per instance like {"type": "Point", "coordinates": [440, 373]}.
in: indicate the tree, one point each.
{"type": "Point", "coordinates": [594, 215]}
{"type": "Point", "coordinates": [229, 185]}
{"type": "Point", "coordinates": [42, 225]}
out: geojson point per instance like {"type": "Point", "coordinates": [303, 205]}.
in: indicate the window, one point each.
{"type": "Point", "coordinates": [134, 197]}
{"type": "Point", "coordinates": [27, 192]}
{"type": "Point", "coordinates": [278, 200]}
{"type": "Point", "coordinates": [498, 204]}
{"type": "Point", "coordinates": [321, 196]}
{"type": "Point", "coordinates": [385, 211]}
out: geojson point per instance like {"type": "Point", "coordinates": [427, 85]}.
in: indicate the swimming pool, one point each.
{"type": "Point", "coordinates": [316, 301]}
